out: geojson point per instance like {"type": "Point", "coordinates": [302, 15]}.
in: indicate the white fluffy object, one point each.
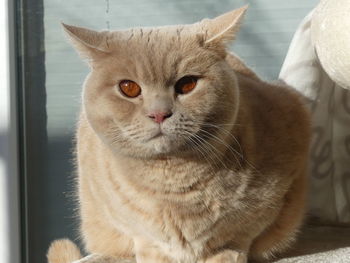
{"type": "Point", "coordinates": [330, 34]}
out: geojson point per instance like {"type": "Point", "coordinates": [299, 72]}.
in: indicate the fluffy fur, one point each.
{"type": "Point", "coordinates": [220, 181]}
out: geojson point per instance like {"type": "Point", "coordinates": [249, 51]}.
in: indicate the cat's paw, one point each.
{"type": "Point", "coordinates": [228, 256]}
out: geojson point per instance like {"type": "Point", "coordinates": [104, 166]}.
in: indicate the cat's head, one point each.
{"type": "Point", "coordinates": [159, 91]}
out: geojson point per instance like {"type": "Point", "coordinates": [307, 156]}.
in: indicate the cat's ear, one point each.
{"type": "Point", "coordinates": [89, 44]}
{"type": "Point", "coordinates": [223, 29]}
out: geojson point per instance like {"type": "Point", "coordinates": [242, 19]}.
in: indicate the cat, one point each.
{"type": "Point", "coordinates": [184, 154]}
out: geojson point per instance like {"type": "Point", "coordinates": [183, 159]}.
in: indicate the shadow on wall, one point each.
{"type": "Point", "coordinates": [52, 209]}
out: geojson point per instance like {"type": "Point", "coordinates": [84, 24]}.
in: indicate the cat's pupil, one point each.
{"type": "Point", "coordinates": [186, 84]}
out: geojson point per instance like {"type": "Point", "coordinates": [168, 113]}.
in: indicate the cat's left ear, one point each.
{"type": "Point", "coordinates": [222, 29]}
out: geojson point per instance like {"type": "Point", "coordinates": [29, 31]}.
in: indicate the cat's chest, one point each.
{"type": "Point", "coordinates": [182, 225]}
{"type": "Point", "coordinates": [174, 203]}
{"type": "Point", "coordinates": [176, 206]}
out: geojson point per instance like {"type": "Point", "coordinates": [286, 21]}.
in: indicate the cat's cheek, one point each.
{"type": "Point", "coordinates": [120, 109]}
{"type": "Point", "coordinates": [107, 112]}
{"type": "Point", "coordinates": [199, 103]}
{"type": "Point", "coordinates": [123, 111]}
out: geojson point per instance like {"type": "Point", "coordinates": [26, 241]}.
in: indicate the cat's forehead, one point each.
{"type": "Point", "coordinates": [169, 37]}
{"type": "Point", "coordinates": [161, 53]}
{"type": "Point", "coordinates": [165, 32]}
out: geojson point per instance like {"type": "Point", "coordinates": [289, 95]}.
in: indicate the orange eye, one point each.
{"type": "Point", "coordinates": [186, 84]}
{"type": "Point", "coordinates": [130, 88]}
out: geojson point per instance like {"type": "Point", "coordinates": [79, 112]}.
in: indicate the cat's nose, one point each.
{"type": "Point", "coordinates": [159, 117]}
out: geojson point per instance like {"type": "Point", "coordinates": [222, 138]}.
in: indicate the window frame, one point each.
{"type": "Point", "coordinates": [10, 212]}
{"type": "Point", "coordinates": [29, 104]}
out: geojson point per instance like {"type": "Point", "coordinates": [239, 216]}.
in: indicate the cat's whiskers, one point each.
{"type": "Point", "coordinates": [114, 135]}
{"type": "Point", "coordinates": [226, 132]}
{"type": "Point", "coordinates": [227, 124]}
{"type": "Point", "coordinates": [210, 150]}
{"type": "Point", "coordinates": [231, 148]}
{"type": "Point", "coordinates": [206, 139]}
{"type": "Point", "coordinates": [198, 147]}
{"type": "Point", "coordinates": [241, 156]}
{"type": "Point", "coordinates": [132, 131]}
{"type": "Point", "coordinates": [138, 133]}
{"type": "Point", "coordinates": [239, 152]}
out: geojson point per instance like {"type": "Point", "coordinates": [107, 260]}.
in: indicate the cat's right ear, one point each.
{"type": "Point", "coordinates": [88, 43]}
{"type": "Point", "coordinates": [220, 31]}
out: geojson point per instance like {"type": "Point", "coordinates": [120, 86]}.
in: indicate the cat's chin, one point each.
{"type": "Point", "coordinates": [161, 144]}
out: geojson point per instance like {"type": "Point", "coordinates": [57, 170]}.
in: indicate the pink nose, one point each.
{"type": "Point", "coordinates": [159, 117]}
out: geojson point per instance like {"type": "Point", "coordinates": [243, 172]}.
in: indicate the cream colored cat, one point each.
{"type": "Point", "coordinates": [184, 154]}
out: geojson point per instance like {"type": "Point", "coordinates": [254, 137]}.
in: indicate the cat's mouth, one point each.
{"type": "Point", "coordinates": [157, 135]}
{"type": "Point", "coordinates": [160, 142]}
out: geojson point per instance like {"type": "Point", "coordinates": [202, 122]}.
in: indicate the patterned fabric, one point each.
{"type": "Point", "coordinates": [330, 149]}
